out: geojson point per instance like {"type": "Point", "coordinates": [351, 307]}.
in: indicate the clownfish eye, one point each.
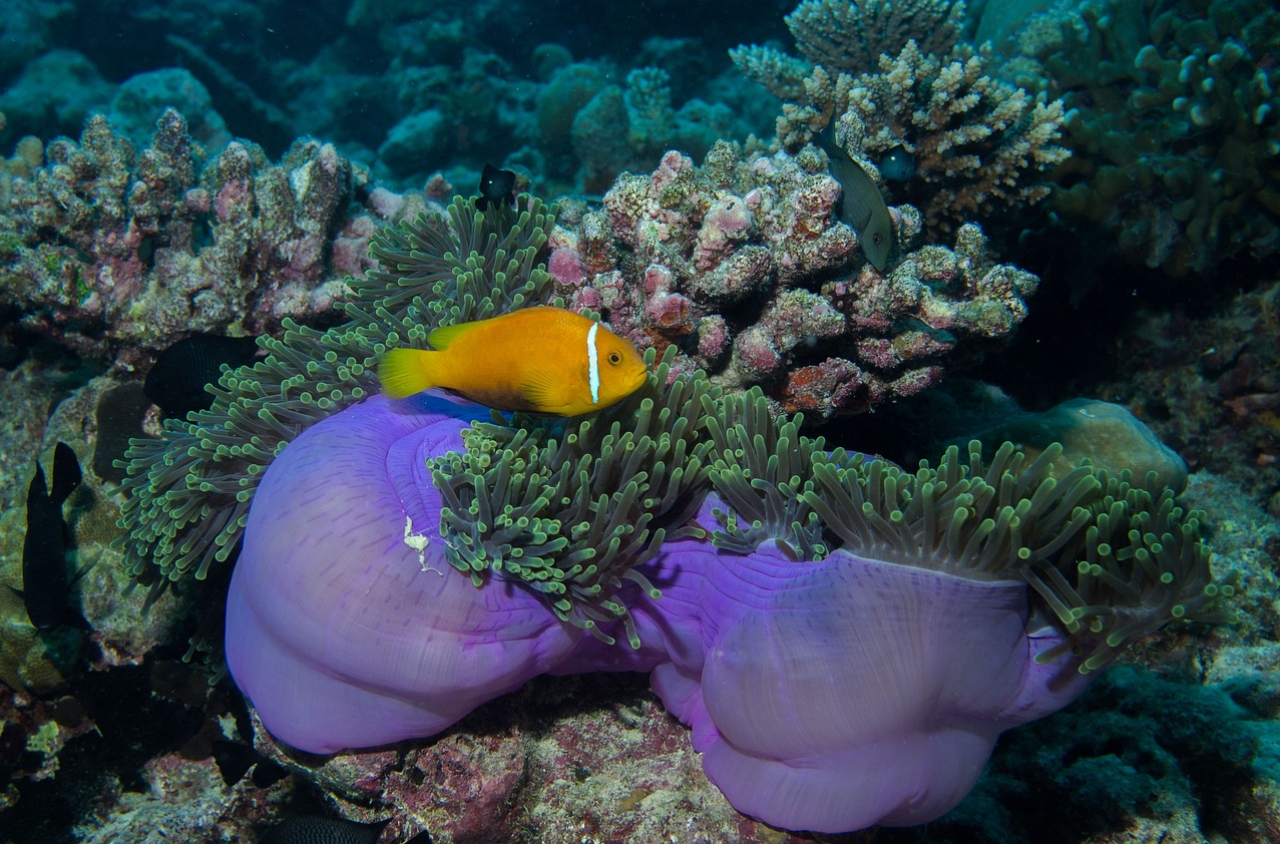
{"type": "Point", "coordinates": [615, 358]}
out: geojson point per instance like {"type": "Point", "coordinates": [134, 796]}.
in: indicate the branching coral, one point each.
{"type": "Point", "coordinates": [1177, 131]}
{"type": "Point", "coordinates": [107, 249]}
{"type": "Point", "coordinates": [977, 142]}
{"type": "Point", "coordinates": [742, 266]}
{"type": "Point", "coordinates": [850, 37]}
{"type": "Point", "coordinates": [625, 129]}
{"type": "Point", "coordinates": [188, 494]}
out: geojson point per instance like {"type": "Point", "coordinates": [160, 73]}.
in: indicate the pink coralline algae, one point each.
{"type": "Point", "coordinates": [107, 248]}
{"type": "Point", "coordinates": [743, 265]}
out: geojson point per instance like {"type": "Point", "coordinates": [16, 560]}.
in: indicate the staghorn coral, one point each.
{"type": "Point", "coordinates": [741, 266]}
{"type": "Point", "coordinates": [1176, 130]}
{"type": "Point", "coordinates": [976, 142]}
{"type": "Point", "coordinates": [106, 249]}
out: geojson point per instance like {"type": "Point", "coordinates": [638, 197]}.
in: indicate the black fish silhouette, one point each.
{"type": "Point", "coordinates": [497, 187]}
{"type": "Point", "coordinates": [177, 380]}
{"type": "Point", "coordinates": [46, 587]}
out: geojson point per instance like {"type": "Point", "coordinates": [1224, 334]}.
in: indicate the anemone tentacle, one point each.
{"type": "Point", "coordinates": [572, 511]}
{"type": "Point", "coordinates": [186, 496]}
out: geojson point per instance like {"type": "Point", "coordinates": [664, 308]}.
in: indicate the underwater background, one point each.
{"type": "Point", "coordinates": [1085, 204]}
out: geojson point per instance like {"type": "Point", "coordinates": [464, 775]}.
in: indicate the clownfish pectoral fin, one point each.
{"type": "Point", "coordinates": [403, 372]}
{"type": "Point", "coordinates": [545, 390]}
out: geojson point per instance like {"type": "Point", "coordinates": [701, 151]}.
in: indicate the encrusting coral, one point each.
{"type": "Point", "coordinates": [977, 143]}
{"type": "Point", "coordinates": [404, 562]}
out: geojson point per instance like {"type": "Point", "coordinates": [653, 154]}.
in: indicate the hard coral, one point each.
{"type": "Point", "coordinates": [1177, 126]}
{"type": "Point", "coordinates": [107, 248]}
{"type": "Point", "coordinates": [976, 143]}
{"type": "Point", "coordinates": [745, 255]}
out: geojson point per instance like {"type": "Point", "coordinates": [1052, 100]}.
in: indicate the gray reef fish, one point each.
{"type": "Point", "coordinates": [862, 206]}
{"type": "Point", "coordinates": [46, 587]}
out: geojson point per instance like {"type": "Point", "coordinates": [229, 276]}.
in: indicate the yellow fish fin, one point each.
{"type": "Point", "coordinates": [547, 391]}
{"type": "Point", "coordinates": [442, 337]}
{"type": "Point", "coordinates": [404, 372]}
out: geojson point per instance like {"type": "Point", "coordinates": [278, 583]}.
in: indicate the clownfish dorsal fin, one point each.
{"type": "Point", "coordinates": [442, 337]}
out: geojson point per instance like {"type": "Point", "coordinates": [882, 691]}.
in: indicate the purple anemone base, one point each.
{"type": "Point", "coordinates": [827, 696]}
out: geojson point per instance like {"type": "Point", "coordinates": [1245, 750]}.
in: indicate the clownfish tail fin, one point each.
{"type": "Point", "coordinates": [404, 372]}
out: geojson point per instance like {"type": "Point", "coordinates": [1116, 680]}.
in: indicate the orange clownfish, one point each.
{"type": "Point", "coordinates": [546, 360]}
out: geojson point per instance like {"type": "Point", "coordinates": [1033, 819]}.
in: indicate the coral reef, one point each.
{"type": "Point", "coordinates": [583, 756]}
{"type": "Point", "coordinates": [740, 265]}
{"type": "Point", "coordinates": [54, 94]}
{"type": "Point", "coordinates": [977, 144]}
{"type": "Point", "coordinates": [597, 552]}
{"type": "Point", "coordinates": [1106, 434]}
{"type": "Point", "coordinates": [1121, 777]}
{"type": "Point", "coordinates": [121, 633]}
{"type": "Point", "coordinates": [1207, 383]}
{"type": "Point", "coordinates": [104, 249]}
{"type": "Point", "coordinates": [1176, 126]}
{"type": "Point", "coordinates": [735, 267]}
{"type": "Point", "coordinates": [845, 37]}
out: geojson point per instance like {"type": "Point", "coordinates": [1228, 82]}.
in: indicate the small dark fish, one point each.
{"type": "Point", "coordinates": [862, 207]}
{"type": "Point", "coordinates": [897, 164]}
{"type": "Point", "coordinates": [497, 187]}
{"type": "Point", "coordinates": [235, 758]}
{"type": "Point", "coordinates": [177, 380]}
{"type": "Point", "coordinates": [315, 830]}
{"type": "Point", "coordinates": [45, 585]}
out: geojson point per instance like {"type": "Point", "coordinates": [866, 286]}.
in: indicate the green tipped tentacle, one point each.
{"type": "Point", "coordinates": [572, 511]}
{"type": "Point", "coordinates": [762, 468]}
{"type": "Point", "coordinates": [1107, 561]}
{"type": "Point", "coordinates": [187, 495]}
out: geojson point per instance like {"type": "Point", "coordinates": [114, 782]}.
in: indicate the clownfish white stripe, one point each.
{"type": "Point", "coordinates": [593, 363]}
